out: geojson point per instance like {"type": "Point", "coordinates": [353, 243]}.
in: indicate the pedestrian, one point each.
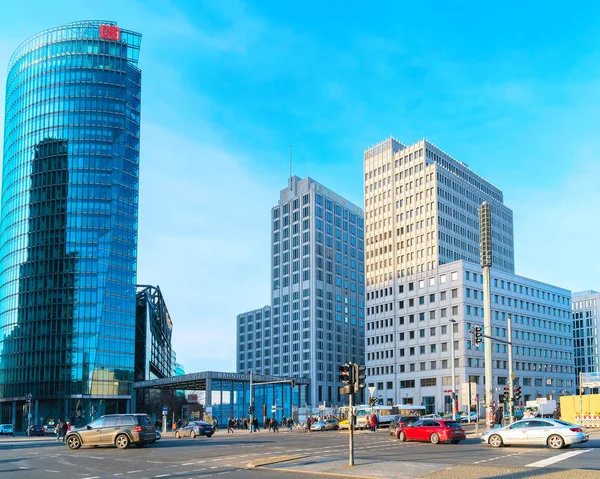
{"type": "Point", "coordinates": [499, 417]}
{"type": "Point", "coordinates": [556, 413]}
{"type": "Point", "coordinates": [229, 425]}
{"type": "Point", "coordinates": [290, 424]}
{"type": "Point", "coordinates": [64, 428]}
{"type": "Point", "coordinates": [275, 425]}
{"type": "Point", "coordinates": [372, 423]}
{"type": "Point", "coordinates": [57, 430]}
{"type": "Point", "coordinates": [216, 424]}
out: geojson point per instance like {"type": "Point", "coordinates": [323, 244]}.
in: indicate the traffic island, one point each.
{"type": "Point", "coordinates": [471, 471]}
{"type": "Point", "coordinates": [364, 468]}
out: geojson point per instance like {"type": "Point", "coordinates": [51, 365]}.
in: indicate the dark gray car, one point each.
{"type": "Point", "coordinates": [195, 428]}
{"type": "Point", "coordinates": [119, 430]}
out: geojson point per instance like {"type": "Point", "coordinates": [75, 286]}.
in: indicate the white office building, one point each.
{"type": "Point", "coordinates": [422, 271]}
{"type": "Point", "coordinates": [317, 292]}
{"type": "Point", "coordinates": [586, 331]}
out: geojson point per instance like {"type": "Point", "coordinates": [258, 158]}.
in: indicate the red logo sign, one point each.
{"type": "Point", "coordinates": [110, 32]}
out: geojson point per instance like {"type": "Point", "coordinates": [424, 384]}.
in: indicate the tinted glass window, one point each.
{"type": "Point", "coordinates": [110, 421]}
{"type": "Point", "coordinates": [143, 420]}
{"type": "Point", "coordinates": [97, 422]}
{"type": "Point", "coordinates": [519, 425]}
{"type": "Point", "coordinates": [452, 424]}
{"type": "Point", "coordinates": [540, 424]}
{"type": "Point", "coordinates": [418, 423]}
{"type": "Point", "coordinates": [125, 421]}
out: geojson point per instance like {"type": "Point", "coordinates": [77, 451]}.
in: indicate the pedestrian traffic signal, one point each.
{"type": "Point", "coordinates": [478, 335]}
{"type": "Point", "coordinates": [517, 393]}
{"type": "Point", "coordinates": [506, 393]}
{"type": "Point", "coordinates": [359, 377]}
{"type": "Point", "coordinates": [346, 373]}
{"type": "Point", "coordinates": [251, 411]}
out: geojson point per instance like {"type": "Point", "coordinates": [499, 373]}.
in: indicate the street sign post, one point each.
{"type": "Point", "coordinates": [590, 380]}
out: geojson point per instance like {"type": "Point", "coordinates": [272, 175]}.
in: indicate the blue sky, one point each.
{"type": "Point", "coordinates": [513, 90]}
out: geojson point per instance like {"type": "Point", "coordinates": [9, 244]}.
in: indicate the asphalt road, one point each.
{"type": "Point", "coordinates": [227, 455]}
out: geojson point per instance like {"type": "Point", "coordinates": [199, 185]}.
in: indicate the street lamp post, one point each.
{"type": "Point", "coordinates": [452, 323]}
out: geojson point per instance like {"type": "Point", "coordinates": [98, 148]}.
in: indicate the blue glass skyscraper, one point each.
{"type": "Point", "coordinates": [68, 236]}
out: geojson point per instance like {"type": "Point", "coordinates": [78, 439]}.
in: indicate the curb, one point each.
{"type": "Point", "coordinates": [273, 460]}
{"type": "Point", "coordinates": [318, 473]}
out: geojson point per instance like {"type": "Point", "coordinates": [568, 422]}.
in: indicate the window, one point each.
{"type": "Point", "coordinates": [426, 382]}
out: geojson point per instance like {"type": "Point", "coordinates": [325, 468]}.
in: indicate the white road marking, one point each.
{"type": "Point", "coordinates": [49, 470]}
{"type": "Point", "coordinates": [555, 459]}
{"type": "Point", "coordinates": [188, 464]}
{"type": "Point", "coordinates": [163, 475]}
{"type": "Point", "coordinates": [131, 472]}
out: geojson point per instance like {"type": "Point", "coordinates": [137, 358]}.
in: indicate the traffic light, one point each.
{"type": "Point", "coordinates": [372, 401]}
{"type": "Point", "coordinates": [251, 411]}
{"type": "Point", "coordinates": [506, 393]}
{"type": "Point", "coordinates": [517, 393]}
{"type": "Point", "coordinates": [345, 373]}
{"type": "Point", "coordinates": [293, 383]}
{"type": "Point", "coordinates": [478, 335]}
{"type": "Point", "coordinates": [359, 377]}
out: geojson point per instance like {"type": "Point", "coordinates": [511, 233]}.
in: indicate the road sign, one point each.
{"type": "Point", "coordinates": [590, 380]}
{"type": "Point", "coordinates": [371, 389]}
{"type": "Point", "coordinates": [165, 409]}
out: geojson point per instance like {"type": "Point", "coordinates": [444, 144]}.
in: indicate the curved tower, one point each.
{"type": "Point", "coordinates": [68, 234]}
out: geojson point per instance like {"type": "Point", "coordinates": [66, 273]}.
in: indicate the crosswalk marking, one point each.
{"type": "Point", "coordinates": [555, 459]}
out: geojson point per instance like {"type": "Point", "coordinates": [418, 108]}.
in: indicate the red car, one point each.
{"type": "Point", "coordinates": [432, 430]}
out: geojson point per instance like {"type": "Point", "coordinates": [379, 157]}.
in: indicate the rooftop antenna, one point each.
{"type": "Point", "coordinates": [290, 161]}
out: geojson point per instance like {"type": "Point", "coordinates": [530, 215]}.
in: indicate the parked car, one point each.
{"type": "Point", "coordinates": [517, 414]}
{"type": "Point", "coordinates": [431, 416]}
{"type": "Point", "coordinates": [434, 431]}
{"type": "Point", "coordinates": [401, 421]}
{"type": "Point", "coordinates": [553, 433]}
{"type": "Point", "coordinates": [325, 425]}
{"type": "Point", "coordinates": [472, 417]}
{"type": "Point", "coordinates": [7, 430]}
{"type": "Point", "coordinates": [195, 428]}
{"type": "Point", "coordinates": [120, 430]}
{"type": "Point", "coordinates": [344, 424]}
{"type": "Point", "coordinates": [36, 431]}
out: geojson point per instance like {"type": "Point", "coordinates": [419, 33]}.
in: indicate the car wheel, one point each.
{"type": "Point", "coordinates": [140, 444]}
{"type": "Point", "coordinates": [556, 442]}
{"type": "Point", "coordinates": [495, 440]}
{"type": "Point", "coordinates": [208, 435]}
{"type": "Point", "coordinates": [192, 434]}
{"type": "Point", "coordinates": [402, 436]}
{"type": "Point", "coordinates": [122, 441]}
{"type": "Point", "coordinates": [74, 442]}
{"type": "Point", "coordinates": [435, 439]}
{"type": "Point", "coordinates": [455, 441]}
{"type": "Point", "coordinates": [177, 436]}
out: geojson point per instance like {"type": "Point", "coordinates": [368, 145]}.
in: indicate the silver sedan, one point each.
{"type": "Point", "coordinates": [546, 432]}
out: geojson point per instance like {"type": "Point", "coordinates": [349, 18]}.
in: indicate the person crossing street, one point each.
{"type": "Point", "coordinates": [229, 425]}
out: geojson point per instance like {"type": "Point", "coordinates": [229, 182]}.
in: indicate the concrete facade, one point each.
{"type": "Point", "coordinates": [317, 292]}
{"type": "Point", "coordinates": [422, 253]}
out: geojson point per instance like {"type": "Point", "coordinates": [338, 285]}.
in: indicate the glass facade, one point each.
{"type": "Point", "coordinates": [68, 238]}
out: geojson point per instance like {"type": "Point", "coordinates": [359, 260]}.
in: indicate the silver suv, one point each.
{"type": "Point", "coordinates": [120, 430]}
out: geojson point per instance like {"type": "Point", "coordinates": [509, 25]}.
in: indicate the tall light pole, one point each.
{"type": "Point", "coordinates": [453, 369]}
{"type": "Point", "coordinates": [485, 255]}
{"type": "Point", "coordinates": [511, 375]}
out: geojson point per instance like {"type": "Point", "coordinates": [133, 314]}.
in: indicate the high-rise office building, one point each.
{"type": "Point", "coordinates": [423, 278]}
{"type": "Point", "coordinates": [586, 332]}
{"type": "Point", "coordinates": [68, 239]}
{"type": "Point", "coordinates": [316, 318]}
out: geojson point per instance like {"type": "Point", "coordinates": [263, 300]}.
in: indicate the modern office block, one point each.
{"type": "Point", "coordinates": [317, 296]}
{"type": "Point", "coordinates": [68, 239]}
{"type": "Point", "coordinates": [586, 332]}
{"type": "Point", "coordinates": [422, 265]}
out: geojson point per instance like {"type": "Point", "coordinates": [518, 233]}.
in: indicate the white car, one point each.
{"type": "Point", "coordinates": [465, 418]}
{"type": "Point", "coordinates": [431, 416]}
{"type": "Point", "coordinates": [546, 432]}
{"type": "Point", "coordinates": [7, 430]}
